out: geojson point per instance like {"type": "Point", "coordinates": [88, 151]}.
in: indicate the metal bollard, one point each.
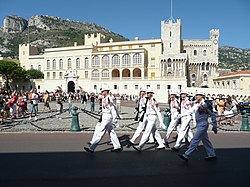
{"type": "Point", "coordinates": [245, 122]}
{"type": "Point", "coordinates": [166, 119]}
{"type": "Point", "coordinates": [75, 120]}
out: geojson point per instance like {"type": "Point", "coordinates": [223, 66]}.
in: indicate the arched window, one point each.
{"type": "Point", "coordinates": [86, 63]}
{"type": "Point", "coordinates": [204, 52]}
{"type": "Point", "coordinates": [61, 64]}
{"type": "Point", "coordinates": [137, 59]}
{"type": "Point", "coordinates": [203, 66]}
{"type": "Point", "coordinates": [193, 77]}
{"type": "Point", "coordinates": [126, 60]}
{"type": "Point", "coordinates": [105, 73]}
{"type": "Point", "coordinates": [105, 61]}
{"type": "Point", "coordinates": [54, 64]}
{"type": "Point", "coordinates": [115, 60]}
{"type": "Point", "coordinates": [78, 63]}
{"type": "Point", "coordinates": [69, 63]}
{"type": "Point", "coordinates": [39, 67]}
{"type": "Point", "coordinates": [95, 73]}
{"type": "Point", "coordinates": [195, 52]}
{"type": "Point", "coordinates": [48, 64]}
{"type": "Point", "coordinates": [96, 61]}
{"type": "Point", "coordinates": [31, 67]}
{"type": "Point", "coordinates": [169, 62]}
{"type": "Point", "coordinates": [207, 66]}
{"type": "Point", "coordinates": [205, 77]}
{"type": "Point", "coordinates": [24, 67]}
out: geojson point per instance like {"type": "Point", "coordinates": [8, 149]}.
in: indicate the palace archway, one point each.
{"type": "Point", "coordinates": [71, 86]}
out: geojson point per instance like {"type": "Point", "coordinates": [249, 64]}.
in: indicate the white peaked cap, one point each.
{"type": "Point", "coordinates": [199, 92]}
{"type": "Point", "coordinates": [184, 91]}
{"type": "Point", "coordinates": [173, 92]}
{"type": "Point", "coordinates": [150, 90]}
{"type": "Point", "coordinates": [143, 88]}
{"type": "Point", "coordinates": [105, 87]}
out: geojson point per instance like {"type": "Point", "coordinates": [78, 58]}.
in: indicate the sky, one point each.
{"type": "Point", "coordinates": [142, 18]}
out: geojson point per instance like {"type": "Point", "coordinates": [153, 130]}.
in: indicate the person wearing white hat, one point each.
{"type": "Point", "coordinates": [152, 112]}
{"type": "Point", "coordinates": [105, 124]}
{"type": "Point", "coordinates": [202, 112]}
{"type": "Point", "coordinates": [140, 109]}
{"type": "Point", "coordinates": [184, 129]}
{"type": "Point", "coordinates": [174, 110]}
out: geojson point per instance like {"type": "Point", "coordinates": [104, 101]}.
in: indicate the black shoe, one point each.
{"type": "Point", "coordinates": [183, 157]}
{"type": "Point", "coordinates": [165, 142]}
{"type": "Point", "coordinates": [174, 149]}
{"type": "Point", "coordinates": [129, 142]}
{"type": "Point", "coordinates": [210, 158]}
{"type": "Point", "coordinates": [159, 148]}
{"type": "Point", "coordinates": [88, 150]}
{"type": "Point", "coordinates": [116, 150]}
{"type": "Point", "coordinates": [137, 148]}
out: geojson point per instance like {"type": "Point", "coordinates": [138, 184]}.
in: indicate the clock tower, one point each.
{"type": "Point", "coordinates": [214, 38]}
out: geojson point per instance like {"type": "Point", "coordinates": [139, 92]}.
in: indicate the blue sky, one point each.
{"type": "Point", "coordinates": [142, 18]}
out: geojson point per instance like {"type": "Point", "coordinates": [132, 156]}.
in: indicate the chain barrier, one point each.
{"type": "Point", "coordinates": [97, 116]}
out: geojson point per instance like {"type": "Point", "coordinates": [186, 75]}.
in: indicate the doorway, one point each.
{"type": "Point", "coordinates": [71, 86]}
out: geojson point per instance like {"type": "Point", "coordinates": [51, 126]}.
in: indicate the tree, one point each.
{"type": "Point", "coordinates": [34, 74]}
{"type": "Point", "coordinates": [10, 71]}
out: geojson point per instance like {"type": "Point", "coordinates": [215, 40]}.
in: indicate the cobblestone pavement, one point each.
{"type": "Point", "coordinates": [51, 121]}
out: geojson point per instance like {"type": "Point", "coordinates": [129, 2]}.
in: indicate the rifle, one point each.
{"type": "Point", "coordinates": [137, 116]}
{"type": "Point", "coordinates": [137, 109]}
{"type": "Point", "coordinates": [144, 110]}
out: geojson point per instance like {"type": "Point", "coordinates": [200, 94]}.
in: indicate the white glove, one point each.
{"type": "Point", "coordinates": [115, 121]}
{"type": "Point", "coordinates": [162, 125]}
{"type": "Point", "coordinates": [121, 116]}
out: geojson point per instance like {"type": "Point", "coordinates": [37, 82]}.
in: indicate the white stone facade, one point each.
{"type": "Point", "coordinates": [164, 64]}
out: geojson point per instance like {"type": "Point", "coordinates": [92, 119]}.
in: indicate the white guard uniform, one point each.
{"type": "Point", "coordinates": [142, 124]}
{"type": "Point", "coordinates": [174, 110]}
{"type": "Point", "coordinates": [185, 123]}
{"type": "Point", "coordinates": [152, 112]}
{"type": "Point", "coordinates": [108, 115]}
{"type": "Point", "coordinates": [201, 115]}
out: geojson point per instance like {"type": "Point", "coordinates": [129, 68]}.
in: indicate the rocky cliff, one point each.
{"type": "Point", "coordinates": [14, 24]}
{"type": "Point", "coordinates": [45, 32]}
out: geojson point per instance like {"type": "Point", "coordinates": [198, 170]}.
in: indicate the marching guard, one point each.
{"type": "Point", "coordinates": [185, 129]}
{"type": "Point", "coordinates": [174, 110]}
{"type": "Point", "coordinates": [151, 114]}
{"type": "Point", "coordinates": [202, 111]}
{"type": "Point", "coordinates": [108, 115]}
{"type": "Point", "coordinates": [140, 115]}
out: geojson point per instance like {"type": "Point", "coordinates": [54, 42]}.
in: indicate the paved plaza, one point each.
{"type": "Point", "coordinates": [50, 121]}
{"type": "Point", "coordinates": [46, 153]}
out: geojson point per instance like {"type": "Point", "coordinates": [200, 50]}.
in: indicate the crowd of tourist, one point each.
{"type": "Point", "coordinates": [18, 104]}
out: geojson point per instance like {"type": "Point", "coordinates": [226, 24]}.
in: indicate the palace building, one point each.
{"type": "Point", "coordinates": [165, 63]}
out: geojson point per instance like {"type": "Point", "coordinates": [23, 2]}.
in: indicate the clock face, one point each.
{"type": "Point", "coordinates": [215, 41]}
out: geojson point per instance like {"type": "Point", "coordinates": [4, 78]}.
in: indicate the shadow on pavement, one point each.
{"type": "Point", "coordinates": [127, 168]}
